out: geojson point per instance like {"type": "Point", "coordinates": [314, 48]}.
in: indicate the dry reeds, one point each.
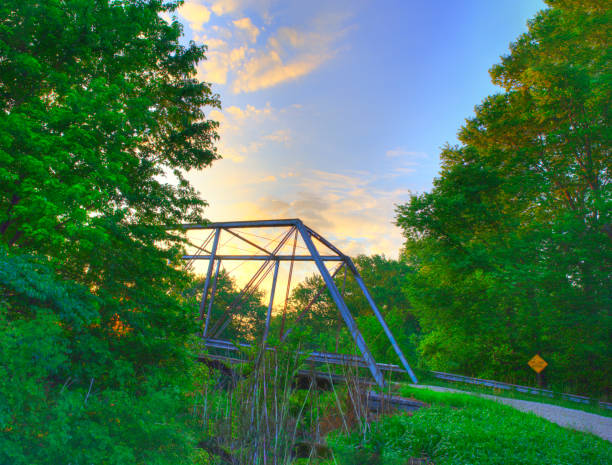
{"type": "Point", "coordinates": [270, 410]}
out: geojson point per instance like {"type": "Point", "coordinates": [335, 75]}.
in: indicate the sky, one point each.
{"type": "Point", "coordinates": [335, 111]}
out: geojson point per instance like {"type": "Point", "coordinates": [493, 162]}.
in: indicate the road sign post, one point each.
{"type": "Point", "coordinates": [538, 364]}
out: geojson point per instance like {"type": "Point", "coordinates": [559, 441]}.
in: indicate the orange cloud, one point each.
{"type": "Point", "coordinates": [195, 14]}
{"type": "Point", "coordinates": [268, 69]}
{"type": "Point", "coordinates": [246, 25]}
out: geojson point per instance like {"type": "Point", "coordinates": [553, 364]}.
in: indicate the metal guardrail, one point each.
{"type": "Point", "coordinates": [315, 357]}
{"type": "Point", "coordinates": [355, 360]}
{"type": "Point", "coordinates": [518, 388]}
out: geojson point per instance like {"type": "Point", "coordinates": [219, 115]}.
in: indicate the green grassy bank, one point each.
{"type": "Point", "coordinates": [459, 429]}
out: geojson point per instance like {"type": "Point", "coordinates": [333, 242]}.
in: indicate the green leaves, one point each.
{"type": "Point", "coordinates": [98, 103]}
{"type": "Point", "coordinates": [460, 429]}
{"type": "Point", "coordinates": [112, 105]}
{"type": "Point", "coordinates": [511, 248]}
{"type": "Point", "coordinates": [29, 284]}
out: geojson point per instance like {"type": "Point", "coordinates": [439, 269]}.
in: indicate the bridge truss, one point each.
{"type": "Point", "coordinates": [270, 256]}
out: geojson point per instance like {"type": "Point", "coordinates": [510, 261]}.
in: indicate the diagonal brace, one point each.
{"type": "Point", "coordinates": [344, 311]}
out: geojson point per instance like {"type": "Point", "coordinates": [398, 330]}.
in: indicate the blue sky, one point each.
{"type": "Point", "coordinates": [334, 111]}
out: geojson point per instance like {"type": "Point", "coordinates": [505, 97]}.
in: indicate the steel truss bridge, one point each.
{"type": "Point", "coordinates": [270, 257]}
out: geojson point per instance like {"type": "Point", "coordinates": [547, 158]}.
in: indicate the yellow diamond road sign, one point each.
{"type": "Point", "coordinates": [537, 363]}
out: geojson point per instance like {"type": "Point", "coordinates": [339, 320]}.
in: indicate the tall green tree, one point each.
{"type": "Point", "coordinates": [248, 313]}
{"type": "Point", "coordinates": [323, 326]}
{"type": "Point", "coordinates": [513, 244]}
{"type": "Point", "coordinates": [99, 106]}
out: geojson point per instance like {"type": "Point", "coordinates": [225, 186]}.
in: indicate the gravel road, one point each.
{"type": "Point", "coordinates": [570, 418]}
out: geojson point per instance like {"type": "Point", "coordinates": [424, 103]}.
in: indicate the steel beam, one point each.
{"type": "Point", "coordinates": [324, 241]}
{"type": "Point", "coordinates": [269, 314]}
{"type": "Point", "coordinates": [282, 327]}
{"type": "Point", "coordinates": [212, 298]}
{"type": "Point", "coordinates": [248, 241]}
{"type": "Point", "coordinates": [220, 326]}
{"type": "Point", "coordinates": [208, 273]}
{"type": "Point", "coordinates": [381, 320]}
{"type": "Point", "coordinates": [241, 224]}
{"type": "Point", "coordinates": [346, 314]}
{"type": "Point", "coordinates": [284, 258]}
{"type": "Point", "coordinates": [316, 357]}
{"type": "Point", "coordinates": [308, 235]}
{"type": "Point", "coordinates": [246, 291]}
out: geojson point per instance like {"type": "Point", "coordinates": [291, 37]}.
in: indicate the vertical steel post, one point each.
{"type": "Point", "coordinates": [282, 327]}
{"type": "Point", "coordinates": [269, 314]}
{"type": "Point", "coordinates": [209, 272]}
{"type": "Point", "coordinates": [212, 298]}
{"type": "Point", "coordinates": [381, 320]}
{"type": "Point", "coordinates": [338, 322]}
{"type": "Point", "coordinates": [346, 314]}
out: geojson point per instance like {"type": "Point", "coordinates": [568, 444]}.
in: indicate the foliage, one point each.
{"type": "Point", "coordinates": [68, 389]}
{"type": "Point", "coordinates": [98, 101]}
{"type": "Point", "coordinates": [249, 313]}
{"type": "Point", "coordinates": [324, 327]}
{"type": "Point", "coordinates": [460, 429]}
{"type": "Point", "coordinates": [99, 107]}
{"type": "Point", "coordinates": [512, 247]}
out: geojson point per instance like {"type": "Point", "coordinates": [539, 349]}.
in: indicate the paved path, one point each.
{"type": "Point", "coordinates": [570, 418]}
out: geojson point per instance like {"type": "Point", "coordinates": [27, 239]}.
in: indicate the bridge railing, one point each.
{"type": "Point", "coordinates": [518, 388]}
{"type": "Point", "coordinates": [357, 361]}
{"type": "Point", "coordinates": [315, 357]}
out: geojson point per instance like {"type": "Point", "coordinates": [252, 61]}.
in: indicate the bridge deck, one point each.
{"type": "Point", "coordinates": [375, 401]}
{"type": "Point", "coordinates": [313, 357]}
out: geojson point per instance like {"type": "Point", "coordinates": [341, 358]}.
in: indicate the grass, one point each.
{"type": "Point", "coordinates": [590, 408]}
{"type": "Point", "coordinates": [459, 429]}
{"type": "Point", "coordinates": [268, 416]}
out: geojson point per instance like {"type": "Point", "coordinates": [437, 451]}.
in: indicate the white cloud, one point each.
{"type": "Point", "coordinates": [213, 43]}
{"type": "Point", "coordinates": [216, 115]}
{"type": "Point", "coordinates": [400, 152]}
{"type": "Point", "coordinates": [214, 69]}
{"type": "Point", "coordinates": [239, 153]}
{"type": "Point", "coordinates": [235, 7]}
{"type": "Point", "coordinates": [221, 7]}
{"type": "Point", "coordinates": [220, 61]}
{"type": "Point", "coordinates": [196, 14]}
{"type": "Point", "coordinates": [245, 24]}
{"type": "Point", "coordinates": [225, 54]}
{"type": "Point", "coordinates": [222, 32]}
{"type": "Point", "coordinates": [166, 17]}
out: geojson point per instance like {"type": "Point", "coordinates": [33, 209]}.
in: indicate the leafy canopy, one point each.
{"type": "Point", "coordinates": [99, 107]}
{"type": "Point", "coordinates": [513, 244]}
